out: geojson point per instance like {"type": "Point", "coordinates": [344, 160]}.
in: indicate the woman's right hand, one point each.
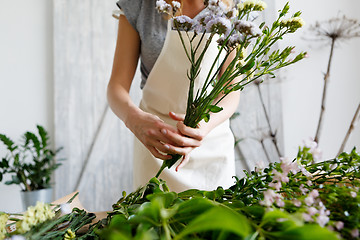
{"type": "Point", "coordinates": [147, 128]}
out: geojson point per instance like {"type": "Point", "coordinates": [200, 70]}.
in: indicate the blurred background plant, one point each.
{"type": "Point", "coordinates": [30, 162]}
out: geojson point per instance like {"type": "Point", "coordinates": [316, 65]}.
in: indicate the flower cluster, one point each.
{"type": "Point", "coordinates": [34, 215]}
{"type": "Point", "coordinates": [218, 18]}
{"type": "Point", "coordinates": [3, 220]}
{"type": "Point", "coordinates": [293, 23]}
{"type": "Point", "coordinates": [252, 5]}
{"type": "Point", "coordinates": [69, 235]}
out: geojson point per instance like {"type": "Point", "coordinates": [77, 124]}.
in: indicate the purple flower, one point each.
{"type": "Point", "coordinates": [219, 25]}
{"type": "Point", "coordinates": [247, 28]}
{"type": "Point", "coordinates": [183, 22]}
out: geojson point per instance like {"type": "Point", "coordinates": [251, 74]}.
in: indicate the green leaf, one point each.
{"type": "Point", "coordinates": [215, 109]}
{"type": "Point", "coordinates": [306, 232]}
{"type": "Point", "coordinates": [8, 142]}
{"type": "Point", "coordinates": [248, 66]}
{"type": "Point", "coordinates": [279, 220]}
{"type": "Point", "coordinates": [187, 210]}
{"type": "Point", "coordinates": [168, 163]}
{"type": "Point", "coordinates": [218, 218]}
{"type": "Point", "coordinates": [31, 137]}
{"type": "Point", "coordinates": [206, 117]}
{"type": "Point", "coordinates": [43, 135]}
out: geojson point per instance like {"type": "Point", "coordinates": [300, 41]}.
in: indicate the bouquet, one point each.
{"type": "Point", "coordinates": [250, 44]}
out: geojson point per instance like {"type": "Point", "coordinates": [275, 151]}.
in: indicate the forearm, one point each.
{"type": "Point", "coordinates": [120, 101]}
{"type": "Point", "coordinates": [229, 105]}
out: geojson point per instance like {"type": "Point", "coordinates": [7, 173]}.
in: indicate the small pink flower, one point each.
{"type": "Point", "coordinates": [297, 203]}
{"type": "Point", "coordinates": [259, 166]}
{"type": "Point", "coordinates": [276, 185]}
{"type": "Point", "coordinates": [322, 220]}
{"type": "Point", "coordinates": [355, 233]}
{"type": "Point", "coordinates": [312, 211]}
{"type": "Point", "coordinates": [303, 189]}
{"type": "Point", "coordinates": [339, 225]}
{"type": "Point", "coordinates": [314, 193]}
{"type": "Point", "coordinates": [309, 183]}
{"type": "Point", "coordinates": [353, 194]}
{"type": "Point", "coordinates": [309, 200]}
{"type": "Point", "coordinates": [280, 203]}
{"type": "Point", "coordinates": [307, 217]}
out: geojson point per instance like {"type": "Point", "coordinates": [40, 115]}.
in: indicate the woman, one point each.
{"type": "Point", "coordinates": [208, 157]}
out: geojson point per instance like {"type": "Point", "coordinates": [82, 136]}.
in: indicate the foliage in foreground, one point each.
{"type": "Point", "coordinates": [287, 200]}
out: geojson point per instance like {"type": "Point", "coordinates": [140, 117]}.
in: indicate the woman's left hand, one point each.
{"type": "Point", "coordinates": [186, 139]}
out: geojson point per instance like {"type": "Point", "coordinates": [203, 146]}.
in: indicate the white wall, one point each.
{"type": "Point", "coordinates": [26, 68]}
{"type": "Point", "coordinates": [303, 82]}
{"type": "Point", "coordinates": [26, 79]}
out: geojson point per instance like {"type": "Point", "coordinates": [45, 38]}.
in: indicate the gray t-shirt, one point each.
{"type": "Point", "coordinates": [152, 28]}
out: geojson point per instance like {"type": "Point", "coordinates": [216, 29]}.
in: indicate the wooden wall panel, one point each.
{"type": "Point", "coordinates": [92, 137]}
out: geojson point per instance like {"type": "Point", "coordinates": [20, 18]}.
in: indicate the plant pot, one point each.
{"type": "Point", "coordinates": [29, 198]}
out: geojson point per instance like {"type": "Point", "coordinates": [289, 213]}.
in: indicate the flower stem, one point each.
{"type": "Point", "coordinates": [326, 78]}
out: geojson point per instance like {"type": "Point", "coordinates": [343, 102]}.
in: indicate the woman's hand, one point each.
{"type": "Point", "coordinates": [148, 129]}
{"type": "Point", "coordinates": [185, 139]}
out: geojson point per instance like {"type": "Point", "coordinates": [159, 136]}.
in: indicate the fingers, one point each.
{"type": "Point", "coordinates": [195, 133]}
{"type": "Point", "coordinates": [157, 154]}
{"type": "Point", "coordinates": [180, 140]}
{"type": "Point", "coordinates": [183, 162]}
{"type": "Point", "coordinates": [176, 116]}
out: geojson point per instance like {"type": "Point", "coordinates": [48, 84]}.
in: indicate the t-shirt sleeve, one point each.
{"type": "Point", "coordinates": [131, 9]}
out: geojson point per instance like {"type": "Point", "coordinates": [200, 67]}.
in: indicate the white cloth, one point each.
{"type": "Point", "coordinates": [212, 164]}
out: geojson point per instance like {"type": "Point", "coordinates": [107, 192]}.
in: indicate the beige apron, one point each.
{"type": "Point", "coordinates": [212, 164]}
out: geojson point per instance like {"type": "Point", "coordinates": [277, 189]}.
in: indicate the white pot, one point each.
{"type": "Point", "coordinates": [29, 198]}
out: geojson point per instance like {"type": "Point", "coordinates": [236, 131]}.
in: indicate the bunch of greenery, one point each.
{"type": "Point", "coordinates": [31, 162]}
{"type": "Point", "coordinates": [294, 199]}
{"type": "Point", "coordinates": [45, 221]}
{"type": "Point", "coordinates": [287, 200]}
{"type": "Point", "coordinates": [236, 35]}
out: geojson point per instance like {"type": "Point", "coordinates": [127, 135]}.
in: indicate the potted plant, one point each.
{"type": "Point", "coordinates": [30, 164]}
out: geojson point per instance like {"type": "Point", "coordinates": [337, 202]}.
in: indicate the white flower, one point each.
{"type": "Point", "coordinates": [176, 5]}
{"type": "Point", "coordinates": [293, 23]}
{"type": "Point", "coordinates": [163, 7]}
{"type": "Point", "coordinates": [3, 220]}
{"type": "Point", "coordinates": [65, 208]}
{"type": "Point", "coordinates": [255, 5]}
{"type": "Point", "coordinates": [35, 215]}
